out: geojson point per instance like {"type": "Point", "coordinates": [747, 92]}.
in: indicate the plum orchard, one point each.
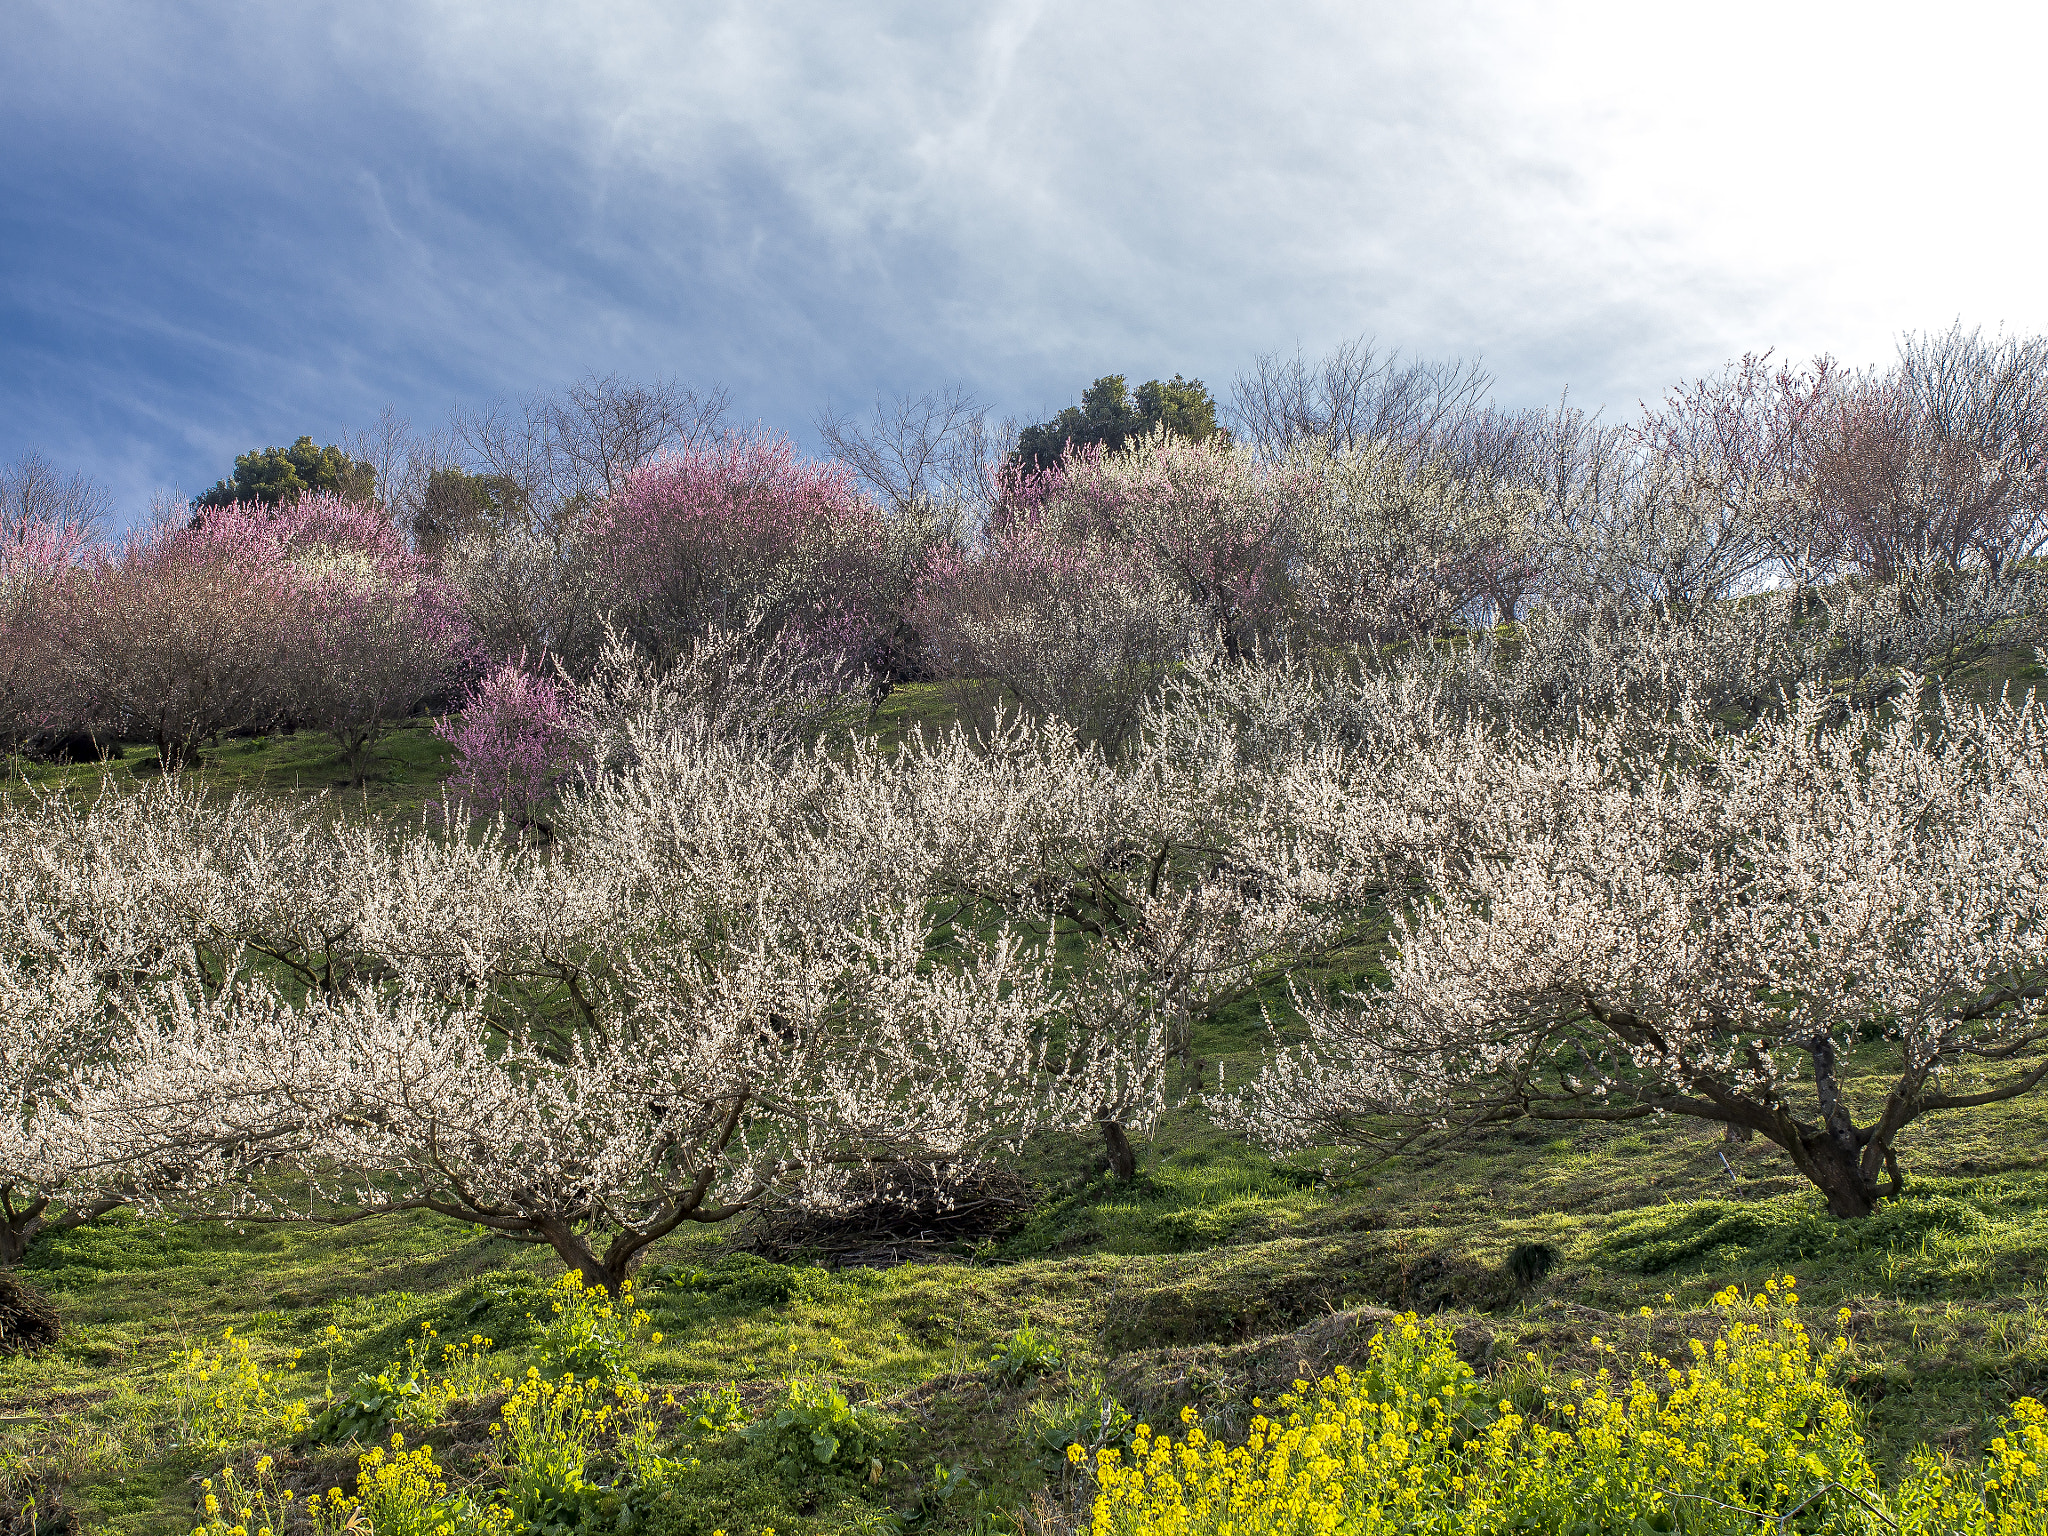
{"type": "Point", "coordinates": [1702, 924]}
{"type": "Point", "coordinates": [732, 970]}
{"type": "Point", "coordinates": [745, 963]}
{"type": "Point", "coordinates": [1654, 848]}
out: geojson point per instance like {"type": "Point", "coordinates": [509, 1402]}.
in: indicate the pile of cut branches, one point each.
{"type": "Point", "coordinates": [894, 1213]}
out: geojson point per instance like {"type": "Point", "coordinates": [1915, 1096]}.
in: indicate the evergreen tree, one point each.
{"type": "Point", "coordinates": [1109, 416]}
{"type": "Point", "coordinates": [274, 476]}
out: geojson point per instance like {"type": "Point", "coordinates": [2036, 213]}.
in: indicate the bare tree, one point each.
{"type": "Point", "coordinates": [920, 455]}
{"type": "Point", "coordinates": [1990, 400]}
{"type": "Point", "coordinates": [1569, 464]}
{"type": "Point", "coordinates": [1942, 458]}
{"type": "Point", "coordinates": [1355, 395]}
{"type": "Point", "coordinates": [1725, 449]}
{"type": "Point", "coordinates": [34, 493]}
{"type": "Point", "coordinates": [404, 459]}
{"type": "Point", "coordinates": [569, 449]}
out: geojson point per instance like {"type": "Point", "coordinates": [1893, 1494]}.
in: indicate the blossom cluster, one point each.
{"type": "Point", "coordinates": [1659, 916]}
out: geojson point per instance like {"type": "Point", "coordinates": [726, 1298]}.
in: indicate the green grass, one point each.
{"type": "Point", "coordinates": [910, 707]}
{"type": "Point", "coordinates": [1172, 1290]}
{"type": "Point", "coordinates": [404, 771]}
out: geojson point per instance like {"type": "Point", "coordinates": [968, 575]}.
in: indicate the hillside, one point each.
{"type": "Point", "coordinates": [1216, 1276]}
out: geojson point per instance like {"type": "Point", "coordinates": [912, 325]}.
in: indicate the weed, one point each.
{"type": "Point", "coordinates": [1025, 1356]}
{"type": "Point", "coordinates": [1530, 1262]}
{"type": "Point", "coordinates": [1086, 1415]}
{"type": "Point", "coordinates": [815, 1429]}
{"type": "Point", "coordinates": [223, 1397]}
{"type": "Point", "coordinates": [591, 1333]}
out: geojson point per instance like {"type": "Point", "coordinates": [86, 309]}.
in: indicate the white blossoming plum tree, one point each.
{"type": "Point", "coordinates": [1716, 925]}
{"type": "Point", "coordinates": [113, 1098]}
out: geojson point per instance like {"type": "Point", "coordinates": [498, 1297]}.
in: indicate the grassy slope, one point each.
{"type": "Point", "coordinates": [404, 773]}
{"type": "Point", "coordinates": [1156, 1287]}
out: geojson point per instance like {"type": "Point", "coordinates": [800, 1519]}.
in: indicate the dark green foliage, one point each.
{"type": "Point", "coordinates": [595, 1510]}
{"type": "Point", "coordinates": [1530, 1262]}
{"type": "Point", "coordinates": [1087, 1416]}
{"type": "Point", "coordinates": [1182, 406]}
{"type": "Point", "coordinates": [1025, 1356]}
{"type": "Point", "coordinates": [364, 1409]}
{"type": "Point", "coordinates": [456, 502]}
{"type": "Point", "coordinates": [273, 476]}
{"type": "Point", "coordinates": [1108, 417]}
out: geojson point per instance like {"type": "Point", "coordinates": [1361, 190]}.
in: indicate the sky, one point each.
{"type": "Point", "coordinates": [226, 224]}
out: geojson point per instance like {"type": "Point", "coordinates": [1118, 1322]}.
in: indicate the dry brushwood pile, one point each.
{"type": "Point", "coordinates": [27, 1320]}
{"type": "Point", "coordinates": [895, 1214]}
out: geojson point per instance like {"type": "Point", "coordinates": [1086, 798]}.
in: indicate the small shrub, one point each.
{"type": "Point", "coordinates": [27, 1320]}
{"type": "Point", "coordinates": [515, 741]}
{"type": "Point", "coordinates": [1530, 1262]}
{"type": "Point", "coordinates": [815, 1429]}
{"type": "Point", "coordinates": [364, 1410]}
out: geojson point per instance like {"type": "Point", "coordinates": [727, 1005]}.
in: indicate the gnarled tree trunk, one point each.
{"type": "Point", "coordinates": [1123, 1157]}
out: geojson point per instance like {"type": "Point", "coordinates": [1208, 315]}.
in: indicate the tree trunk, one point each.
{"type": "Point", "coordinates": [574, 1250]}
{"type": "Point", "coordinates": [1833, 1158]}
{"type": "Point", "coordinates": [175, 754]}
{"type": "Point", "coordinates": [1123, 1157]}
{"type": "Point", "coordinates": [15, 1236]}
{"type": "Point", "coordinates": [1837, 1174]}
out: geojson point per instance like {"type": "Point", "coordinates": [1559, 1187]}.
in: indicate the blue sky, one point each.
{"type": "Point", "coordinates": [222, 225]}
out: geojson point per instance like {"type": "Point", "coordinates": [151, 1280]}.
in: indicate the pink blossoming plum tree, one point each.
{"type": "Point", "coordinates": [515, 741]}
{"type": "Point", "coordinates": [179, 633]}
{"type": "Point", "coordinates": [372, 630]}
{"type": "Point", "coordinates": [743, 532]}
